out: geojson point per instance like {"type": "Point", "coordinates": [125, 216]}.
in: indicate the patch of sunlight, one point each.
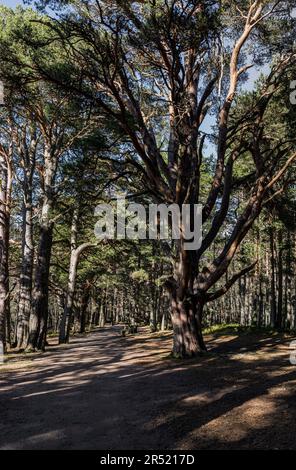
{"type": "Point", "coordinates": [209, 396]}
{"type": "Point", "coordinates": [46, 392]}
{"type": "Point", "coordinates": [12, 366]}
{"type": "Point", "coordinates": [234, 425]}
{"type": "Point", "coordinates": [224, 327]}
{"type": "Point", "coordinates": [38, 438]}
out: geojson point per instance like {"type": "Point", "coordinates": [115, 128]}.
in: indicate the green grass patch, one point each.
{"type": "Point", "coordinates": [236, 329]}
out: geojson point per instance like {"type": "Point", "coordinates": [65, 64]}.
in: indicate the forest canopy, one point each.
{"type": "Point", "coordinates": [168, 102]}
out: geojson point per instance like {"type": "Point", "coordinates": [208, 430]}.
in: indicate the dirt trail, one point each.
{"type": "Point", "coordinates": [107, 392]}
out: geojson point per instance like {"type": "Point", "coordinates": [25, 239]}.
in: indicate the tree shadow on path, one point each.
{"type": "Point", "coordinates": [107, 392]}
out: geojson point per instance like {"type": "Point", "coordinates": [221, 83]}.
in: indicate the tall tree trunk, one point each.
{"type": "Point", "coordinates": [39, 312]}
{"type": "Point", "coordinates": [83, 306]}
{"type": "Point", "coordinates": [67, 314]}
{"type": "Point", "coordinates": [64, 332]}
{"type": "Point", "coordinates": [68, 311]}
{"type": "Point", "coordinates": [27, 148]}
{"type": "Point", "coordinates": [273, 293]}
{"type": "Point", "coordinates": [22, 330]}
{"type": "Point", "coordinates": [5, 206]}
{"type": "Point", "coordinates": [279, 318]}
{"type": "Point", "coordinates": [102, 312]}
{"type": "Point", "coordinates": [4, 275]}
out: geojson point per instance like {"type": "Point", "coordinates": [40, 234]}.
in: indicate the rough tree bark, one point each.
{"type": "Point", "coordinates": [64, 331]}
{"type": "Point", "coordinates": [273, 304]}
{"type": "Point", "coordinates": [27, 156]}
{"type": "Point", "coordinates": [39, 311]}
{"type": "Point", "coordinates": [84, 299]}
{"type": "Point", "coordinates": [5, 207]}
{"type": "Point", "coordinates": [279, 317]}
{"type": "Point", "coordinates": [25, 296]}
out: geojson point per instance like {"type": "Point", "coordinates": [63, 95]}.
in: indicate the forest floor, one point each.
{"type": "Point", "coordinates": [104, 391]}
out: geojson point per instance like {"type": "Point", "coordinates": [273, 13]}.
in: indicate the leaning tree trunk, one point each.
{"type": "Point", "coordinates": [24, 309]}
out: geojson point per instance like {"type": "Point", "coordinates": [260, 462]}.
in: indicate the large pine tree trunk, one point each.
{"type": "Point", "coordinates": [187, 333]}
{"type": "Point", "coordinates": [186, 310]}
{"type": "Point", "coordinates": [39, 313]}
{"type": "Point", "coordinates": [24, 308]}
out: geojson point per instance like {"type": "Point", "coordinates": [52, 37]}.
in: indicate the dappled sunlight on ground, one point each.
{"type": "Point", "coordinates": [104, 391]}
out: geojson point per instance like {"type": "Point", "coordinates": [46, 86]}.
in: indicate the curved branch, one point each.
{"type": "Point", "coordinates": [215, 295]}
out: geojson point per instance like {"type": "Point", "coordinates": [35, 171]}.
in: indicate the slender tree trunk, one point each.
{"type": "Point", "coordinates": [68, 311]}
{"type": "Point", "coordinates": [67, 314]}
{"type": "Point", "coordinates": [163, 326]}
{"type": "Point", "coordinates": [273, 293]}
{"type": "Point", "coordinates": [152, 320]}
{"type": "Point", "coordinates": [279, 318]}
{"type": "Point", "coordinates": [22, 330]}
{"type": "Point", "coordinates": [98, 309]}
{"type": "Point", "coordinates": [83, 308]}
{"type": "Point", "coordinates": [65, 325]}
{"type": "Point", "coordinates": [4, 276]}
{"type": "Point", "coordinates": [5, 205]}
{"type": "Point", "coordinates": [102, 313]}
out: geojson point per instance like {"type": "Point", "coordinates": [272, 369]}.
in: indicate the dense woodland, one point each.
{"type": "Point", "coordinates": [154, 99]}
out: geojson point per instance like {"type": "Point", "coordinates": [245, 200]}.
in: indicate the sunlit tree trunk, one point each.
{"type": "Point", "coordinates": [39, 312]}
{"type": "Point", "coordinates": [5, 207]}
{"type": "Point", "coordinates": [66, 321]}
{"type": "Point", "coordinates": [25, 296]}
{"type": "Point", "coordinates": [67, 313]}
